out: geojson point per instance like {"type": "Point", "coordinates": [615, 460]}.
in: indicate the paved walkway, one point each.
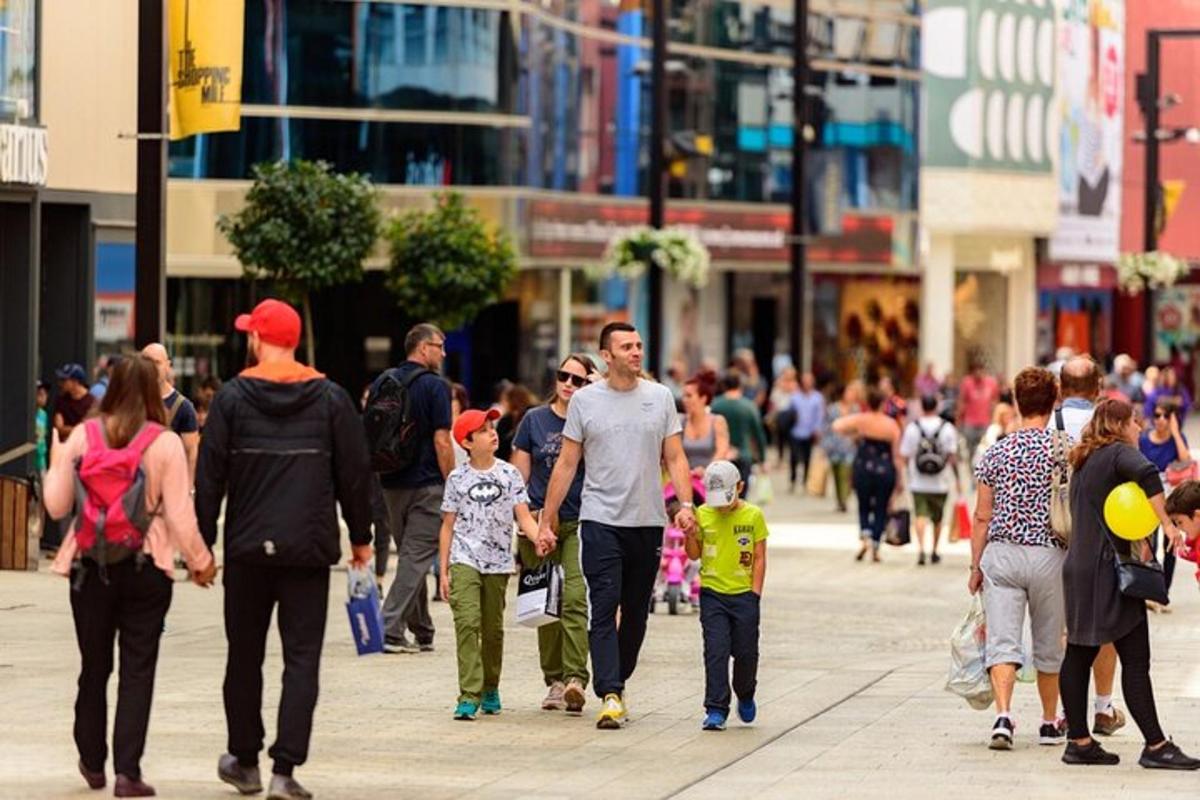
{"type": "Point", "coordinates": [851, 698]}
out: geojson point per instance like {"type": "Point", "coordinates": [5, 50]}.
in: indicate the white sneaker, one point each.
{"type": "Point", "coordinates": [554, 698]}
{"type": "Point", "coordinates": [612, 713]}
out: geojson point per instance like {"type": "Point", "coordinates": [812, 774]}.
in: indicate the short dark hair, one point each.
{"type": "Point", "coordinates": [874, 398]}
{"type": "Point", "coordinates": [1184, 499]}
{"type": "Point", "coordinates": [1036, 391]}
{"type": "Point", "coordinates": [729, 381]}
{"type": "Point", "coordinates": [929, 403]}
{"type": "Point", "coordinates": [614, 327]}
{"type": "Point", "coordinates": [459, 392]}
{"type": "Point", "coordinates": [419, 334]}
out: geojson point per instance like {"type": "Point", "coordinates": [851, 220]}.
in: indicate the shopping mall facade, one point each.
{"type": "Point", "coordinates": [539, 114]}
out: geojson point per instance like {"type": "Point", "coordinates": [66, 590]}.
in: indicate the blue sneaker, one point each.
{"type": "Point", "coordinates": [715, 721]}
{"type": "Point", "coordinates": [491, 701]}
{"type": "Point", "coordinates": [747, 711]}
{"type": "Point", "coordinates": [466, 710]}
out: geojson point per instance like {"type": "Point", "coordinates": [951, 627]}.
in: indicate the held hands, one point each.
{"type": "Point", "coordinates": [547, 524]}
{"type": "Point", "coordinates": [361, 555]}
{"type": "Point", "coordinates": [204, 578]}
{"type": "Point", "coordinates": [685, 520]}
{"type": "Point", "coordinates": [545, 543]}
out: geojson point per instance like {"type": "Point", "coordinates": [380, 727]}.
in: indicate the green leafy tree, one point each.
{"type": "Point", "coordinates": [447, 264]}
{"type": "Point", "coordinates": [306, 227]}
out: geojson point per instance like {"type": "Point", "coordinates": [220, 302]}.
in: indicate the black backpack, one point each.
{"type": "Point", "coordinates": [930, 459]}
{"type": "Point", "coordinates": [392, 433]}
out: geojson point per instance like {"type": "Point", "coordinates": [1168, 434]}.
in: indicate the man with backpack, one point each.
{"type": "Point", "coordinates": [928, 447]}
{"type": "Point", "coordinates": [181, 414]}
{"type": "Point", "coordinates": [287, 446]}
{"type": "Point", "coordinates": [408, 433]}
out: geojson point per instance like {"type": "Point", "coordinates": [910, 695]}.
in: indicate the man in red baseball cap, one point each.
{"type": "Point", "coordinates": [274, 322]}
{"type": "Point", "coordinates": [297, 452]}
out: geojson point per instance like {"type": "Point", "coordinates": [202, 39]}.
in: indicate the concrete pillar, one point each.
{"type": "Point", "coordinates": [1022, 313]}
{"type": "Point", "coordinates": [937, 304]}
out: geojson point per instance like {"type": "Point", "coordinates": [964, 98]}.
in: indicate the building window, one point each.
{"type": "Point", "coordinates": [18, 59]}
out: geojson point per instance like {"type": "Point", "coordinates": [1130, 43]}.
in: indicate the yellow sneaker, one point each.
{"type": "Point", "coordinates": [612, 713]}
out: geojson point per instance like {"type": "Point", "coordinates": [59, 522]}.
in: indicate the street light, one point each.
{"type": "Point", "coordinates": [1151, 100]}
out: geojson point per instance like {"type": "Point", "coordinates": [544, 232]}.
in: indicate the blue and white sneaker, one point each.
{"type": "Point", "coordinates": [747, 711]}
{"type": "Point", "coordinates": [466, 710]}
{"type": "Point", "coordinates": [491, 701]}
{"type": "Point", "coordinates": [714, 721]}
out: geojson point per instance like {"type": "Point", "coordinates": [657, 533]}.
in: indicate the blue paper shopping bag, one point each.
{"type": "Point", "coordinates": [366, 618]}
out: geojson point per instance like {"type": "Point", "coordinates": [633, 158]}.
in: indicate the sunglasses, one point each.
{"type": "Point", "coordinates": [1162, 415]}
{"type": "Point", "coordinates": [578, 381]}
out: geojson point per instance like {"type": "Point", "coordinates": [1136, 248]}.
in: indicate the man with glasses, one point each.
{"type": "Point", "coordinates": [414, 494]}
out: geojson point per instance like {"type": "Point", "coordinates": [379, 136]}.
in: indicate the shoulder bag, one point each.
{"type": "Point", "coordinates": [1060, 487]}
{"type": "Point", "coordinates": [1141, 580]}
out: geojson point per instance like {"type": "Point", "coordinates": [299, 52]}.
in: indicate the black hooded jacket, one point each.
{"type": "Point", "coordinates": [288, 447]}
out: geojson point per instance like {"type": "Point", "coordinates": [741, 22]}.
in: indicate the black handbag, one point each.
{"type": "Point", "coordinates": [1141, 580]}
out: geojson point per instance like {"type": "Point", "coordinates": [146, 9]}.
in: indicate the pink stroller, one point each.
{"type": "Point", "coordinates": [678, 576]}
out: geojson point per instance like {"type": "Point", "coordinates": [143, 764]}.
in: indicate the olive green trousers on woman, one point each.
{"type": "Point", "coordinates": [477, 602]}
{"type": "Point", "coordinates": [563, 645]}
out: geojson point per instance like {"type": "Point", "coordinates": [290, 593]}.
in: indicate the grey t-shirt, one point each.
{"type": "Point", "coordinates": [622, 434]}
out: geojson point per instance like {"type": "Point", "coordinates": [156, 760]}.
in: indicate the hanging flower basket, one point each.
{"type": "Point", "coordinates": [676, 251]}
{"type": "Point", "coordinates": [1155, 270]}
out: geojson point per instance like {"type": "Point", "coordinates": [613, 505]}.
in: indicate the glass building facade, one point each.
{"type": "Point", "coordinates": [553, 98]}
{"type": "Point", "coordinates": [556, 96]}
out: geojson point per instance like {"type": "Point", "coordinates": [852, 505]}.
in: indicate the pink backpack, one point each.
{"type": "Point", "coordinates": [110, 490]}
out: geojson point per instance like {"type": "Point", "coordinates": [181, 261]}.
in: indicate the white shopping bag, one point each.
{"type": "Point", "coordinates": [539, 595]}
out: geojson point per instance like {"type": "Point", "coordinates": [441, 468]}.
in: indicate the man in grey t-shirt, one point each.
{"type": "Point", "coordinates": [625, 428]}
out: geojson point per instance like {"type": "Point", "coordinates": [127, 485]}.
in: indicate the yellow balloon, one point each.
{"type": "Point", "coordinates": [1128, 513]}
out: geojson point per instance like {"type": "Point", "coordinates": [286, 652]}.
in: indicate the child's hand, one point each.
{"type": "Point", "coordinates": [545, 543]}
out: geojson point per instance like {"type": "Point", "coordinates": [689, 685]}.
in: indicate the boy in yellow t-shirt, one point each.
{"type": "Point", "coordinates": [730, 539]}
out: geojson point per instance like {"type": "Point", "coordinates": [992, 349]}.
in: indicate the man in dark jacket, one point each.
{"type": "Point", "coordinates": [288, 446]}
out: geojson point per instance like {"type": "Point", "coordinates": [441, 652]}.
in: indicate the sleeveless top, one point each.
{"type": "Point", "coordinates": [874, 458]}
{"type": "Point", "coordinates": [700, 451]}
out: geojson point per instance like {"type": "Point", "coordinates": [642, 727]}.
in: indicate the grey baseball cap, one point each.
{"type": "Point", "coordinates": [721, 480]}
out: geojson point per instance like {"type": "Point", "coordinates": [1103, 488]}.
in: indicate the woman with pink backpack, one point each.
{"type": "Point", "coordinates": [126, 480]}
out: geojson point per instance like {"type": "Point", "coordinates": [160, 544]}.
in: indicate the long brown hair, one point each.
{"type": "Point", "coordinates": [1106, 427]}
{"type": "Point", "coordinates": [589, 368]}
{"type": "Point", "coordinates": [132, 400]}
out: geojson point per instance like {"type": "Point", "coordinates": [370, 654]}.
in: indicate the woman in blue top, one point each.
{"type": "Point", "coordinates": [1163, 444]}
{"type": "Point", "coordinates": [562, 645]}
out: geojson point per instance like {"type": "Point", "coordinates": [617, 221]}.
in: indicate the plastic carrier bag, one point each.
{"type": "Point", "coordinates": [968, 677]}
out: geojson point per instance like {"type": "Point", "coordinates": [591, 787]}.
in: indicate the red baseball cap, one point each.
{"type": "Point", "coordinates": [470, 421]}
{"type": "Point", "coordinates": [274, 321]}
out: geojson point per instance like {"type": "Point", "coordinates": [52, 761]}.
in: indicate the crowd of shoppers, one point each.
{"type": "Point", "coordinates": [582, 478]}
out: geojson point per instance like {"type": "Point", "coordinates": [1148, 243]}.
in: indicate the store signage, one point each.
{"type": "Point", "coordinates": [570, 229]}
{"type": "Point", "coordinates": [24, 154]}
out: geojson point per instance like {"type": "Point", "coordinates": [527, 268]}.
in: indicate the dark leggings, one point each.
{"type": "Point", "coordinates": [1134, 650]}
{"type": "Point", "coordinates": [801, 452]}
{"type": "Point", "coordinates": [874, 492]}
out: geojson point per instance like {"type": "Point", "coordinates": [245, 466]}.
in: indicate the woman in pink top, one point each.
{"type": "Point", "coordinates": [128, 598]}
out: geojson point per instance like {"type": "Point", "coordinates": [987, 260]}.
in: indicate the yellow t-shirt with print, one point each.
{"type": "Point", "coordinates": [727, 541]}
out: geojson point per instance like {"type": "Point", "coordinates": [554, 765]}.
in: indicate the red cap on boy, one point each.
{"type": "Point", "coordinates": [470, 421]}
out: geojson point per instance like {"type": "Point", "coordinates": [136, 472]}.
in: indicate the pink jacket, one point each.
{"type": "Point", "coordinates": [167, 478]}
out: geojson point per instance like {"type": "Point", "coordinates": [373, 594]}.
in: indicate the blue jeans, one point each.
{"type": "Point", "coordinates": [874, 492]}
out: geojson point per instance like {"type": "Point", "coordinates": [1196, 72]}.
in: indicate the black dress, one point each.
{"type": "Point", "coordinates": [1097, 612]}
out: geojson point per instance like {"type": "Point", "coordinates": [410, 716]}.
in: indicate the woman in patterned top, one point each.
{"type": "Point", "coordinates": [1017, 560]}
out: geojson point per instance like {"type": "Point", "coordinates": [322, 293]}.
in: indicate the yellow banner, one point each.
{"type": "Point", "coordinates": [205, 66]}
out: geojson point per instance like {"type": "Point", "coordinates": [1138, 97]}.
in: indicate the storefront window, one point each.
{"type": "Point", "coordinates": [18, 59]}
{"type": "Point", "coordinates": [413, 154]}
{"type": "Point", "coordinates": [377, 55]}
{"type": "Point", "coordinates": [978, 298]}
